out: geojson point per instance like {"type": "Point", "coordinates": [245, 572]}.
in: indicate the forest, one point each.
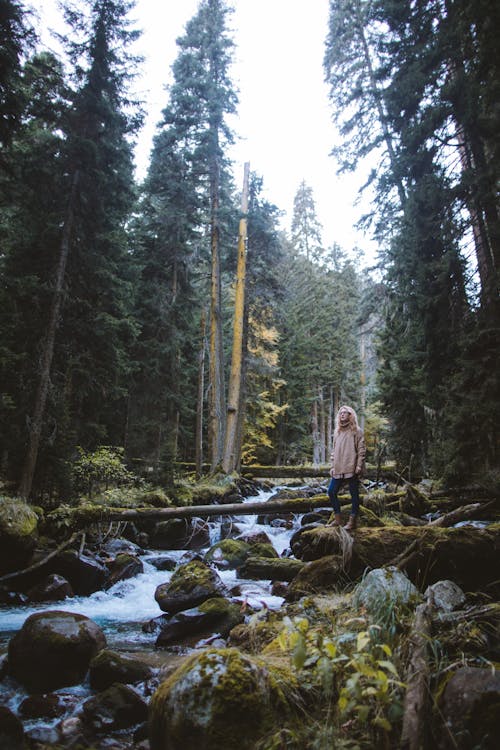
{"type": "Point", "coordinates": [173, 365]}
{"type": "Point", "coordinates": [118, 299]}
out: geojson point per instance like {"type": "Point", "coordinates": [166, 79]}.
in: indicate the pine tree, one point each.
{"type": "Point", "coordinates": [201, 98]}
{"type": "Point", "coordinates": [92, 279]}
{"type": "Point", "coordinates": [16, 39]}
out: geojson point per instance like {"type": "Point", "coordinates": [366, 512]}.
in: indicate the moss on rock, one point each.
{"type": "Point", "coordinates": [218, 700]}
{"type": "Point", "coordinates": [18, 533]}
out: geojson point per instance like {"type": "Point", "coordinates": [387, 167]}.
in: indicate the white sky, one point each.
{"type": "Point", "coordinates": [283, 122]}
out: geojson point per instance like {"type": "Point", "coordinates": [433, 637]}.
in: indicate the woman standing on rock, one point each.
{"type": "Point", "coordinates": [348, 459]}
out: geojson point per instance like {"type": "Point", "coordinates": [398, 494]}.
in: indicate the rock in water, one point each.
{"type": "Point", "coordinates": [53, 649]}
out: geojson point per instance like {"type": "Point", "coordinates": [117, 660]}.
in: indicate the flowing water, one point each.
{"type": "Point", "coordinates": [122, 610]}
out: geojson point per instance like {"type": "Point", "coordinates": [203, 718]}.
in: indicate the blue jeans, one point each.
{"type": "Point", "coordinates": [335, 486]}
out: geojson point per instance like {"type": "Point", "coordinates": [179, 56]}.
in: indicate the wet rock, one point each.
{"type": "Point", "coordinates": [42, 706]}
{"type": "Point", "coordinates": [181, 533]}
{"type": "Point", "coordinates": [446, 595]}
{"type": "Point", "coordinates": [214, 698]}
{"type": "Point", "coordinates": [163, 563]}
{"type": "Point", "coordinates": [470, 707]}
{"type": "Point", "coordinates": [18, 534]}
{"type": "Point", "coordinates": [54, 649]}
{"type": "Point", "coordinates": [228, 554]}
{"type": "Point", "coordinates": [11, 731]}
{"type": "Point", "coordinates": [254, 537]}
{"type": "Point", "coordinates": [279, 569]}
{"type": "Point", "coordinates": [124, 566]}
{"type": "Point", "coordinates": [109, 667]}
{"type": "Point", "coordinates": [84, 572]}
{"type": "Point", "coordinates": [117, 707]}
{"type": "Point", "coordinates": [383, 587]}
{"type": "Point", "coordinates": [11, 598]}
{"type": "Point", "coordinates": [114, 547]}
{"type": "Point", "coordinates": [190, 585]}
{"type": "Point", "coordinates": [52, 589]}
{"type": "Point", "coordinates": [217, 614]}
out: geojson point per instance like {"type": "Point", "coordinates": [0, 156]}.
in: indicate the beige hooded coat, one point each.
{"type": "Point", "coordinates": [349, 451]}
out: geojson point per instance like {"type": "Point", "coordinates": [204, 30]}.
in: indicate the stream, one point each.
{"type": "Point", "coordinates": [122, 610]}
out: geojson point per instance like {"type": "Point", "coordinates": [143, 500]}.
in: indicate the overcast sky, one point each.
{"type": "Point", "coordinates": [283, 122]}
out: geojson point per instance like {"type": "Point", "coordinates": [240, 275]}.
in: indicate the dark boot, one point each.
{"type": "Point", "coordinates": [351, 524]}
{"type": "Point", "coordinates": [337, 520]}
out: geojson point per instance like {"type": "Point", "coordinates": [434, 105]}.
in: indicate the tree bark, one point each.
{"type": "Point", "coordinates": [199, 400]}
{"type": "Point", "coordinates": [413, 734]}
{"type": "Point", "coordinates": [35, 431]}
{"type": "Point", "coordinates": [216, 366]}
{"type": "Point", "coordinates": [234, 403]}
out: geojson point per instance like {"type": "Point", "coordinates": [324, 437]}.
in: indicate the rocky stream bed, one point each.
{"type": "Point", "coordinates": [265, 631]}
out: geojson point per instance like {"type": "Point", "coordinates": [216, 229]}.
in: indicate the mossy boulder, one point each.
{"type": "Point", "coordinates": [18, 534]}
{"type": "Point", "coordinates": [190, 585]}
{"type": "Point", "coordinates": [108, 667]}
{"type": "Point", "coordinates": [228, 553]}
{"type": "Point", "coordinates": [218, 700]}
{"type": "Point", "coordinates": [216, 615]}
{"type": "Point", "coordinates": [53, 649]}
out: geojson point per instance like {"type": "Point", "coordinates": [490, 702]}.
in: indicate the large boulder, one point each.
{"type": "Point", "coordinates": [270, 569]}
{"type": "Point", "coordinates": [218, 700]}
{"type": "Point", "coordinates": [190, 585]}
{"type": "Point", "coordinates": [384, 588]}
{"type": "Point", "coordinates": [53, 649]}
{"type": "Point", "coordinates": [84, 572]}
{"type": "Point", "coordinates": [18, 534]}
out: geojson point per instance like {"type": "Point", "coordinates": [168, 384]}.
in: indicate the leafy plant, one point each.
{"type": "Point", "coordinates": [100, 469]}
{"type": "Point", "coordinates": [359, 671]}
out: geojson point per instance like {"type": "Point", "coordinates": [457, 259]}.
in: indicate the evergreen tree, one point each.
{"type": "Point", "coordinates": [90, 287]}
{"type": "Point", "coordinates": [306, 229]}
{"type": "Point", "coordinates": [16, 37]}
{"type": "Point", "coordinates": [201, 98]}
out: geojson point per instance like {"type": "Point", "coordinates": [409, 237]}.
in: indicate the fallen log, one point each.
{"type": "Point", "coordinates": [84, 515]}
{"type": "Point", "coordinates": [415, 712]}
{"type": "Point", "coordinates": [467, 555]}
{"type": "Point", "coordinates": [463, 513]}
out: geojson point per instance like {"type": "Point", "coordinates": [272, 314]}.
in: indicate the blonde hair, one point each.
{"type": "Point", "coordinates": [353, 419]}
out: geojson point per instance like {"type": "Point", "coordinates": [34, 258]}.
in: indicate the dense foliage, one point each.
{"type": "Point", "coordinates": [116, 299]}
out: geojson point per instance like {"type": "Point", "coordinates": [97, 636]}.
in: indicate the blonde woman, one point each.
{"type": "Point", "coordinates": [348, 460]}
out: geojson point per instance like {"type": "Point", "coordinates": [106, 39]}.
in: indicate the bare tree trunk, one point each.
{"type": "Point", "coordinates": [199, 400]}
{"type": "Point", "coordinates": [216, 364]}
{"type": "Point", "coordinates": [322, 426]}
{"type": "Point", "coordinates": [315, 432]}
{"type": "Point", "coordinates": [329, 427]}
{"type": "Point", "coordinates": [233, 406]}
{"type": "Point", "coordinates": [48, 349]}
{"type": "Point", "coordinates": [362, 356]}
